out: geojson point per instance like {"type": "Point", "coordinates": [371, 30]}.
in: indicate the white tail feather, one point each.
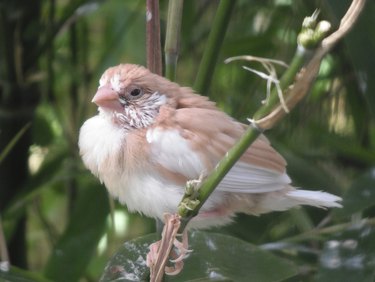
{"type": "Point", "coordinates": [293, 198]}
{"type": "Point", "coordinates": [315, 198]}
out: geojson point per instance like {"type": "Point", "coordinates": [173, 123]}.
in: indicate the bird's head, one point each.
{"type": "Point", "coordinates": [131, 95]}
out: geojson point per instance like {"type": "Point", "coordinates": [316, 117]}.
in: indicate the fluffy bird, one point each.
{"type": "Point", "coordinates": [151, 136]}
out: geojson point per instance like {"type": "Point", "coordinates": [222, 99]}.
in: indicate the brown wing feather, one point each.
{"type": "Point", "coordinates": [212, 131]}
{"type": "Point", "coordinates": [209, 129]}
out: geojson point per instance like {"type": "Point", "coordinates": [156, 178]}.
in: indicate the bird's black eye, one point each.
{"type": "Point", "coordinates": [135, 93]}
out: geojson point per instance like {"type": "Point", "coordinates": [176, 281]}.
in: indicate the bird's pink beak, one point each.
{"type": "Point", "coordinates": [107, 98]}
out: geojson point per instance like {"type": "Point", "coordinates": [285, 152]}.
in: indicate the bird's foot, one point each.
{"type": "Point", "coordinates": [167, 247]}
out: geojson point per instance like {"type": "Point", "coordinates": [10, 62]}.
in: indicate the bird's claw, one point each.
{"type": "Point", "coordinates": [168, 246]}
{"type": "Point", "coordinates": [181, 247]}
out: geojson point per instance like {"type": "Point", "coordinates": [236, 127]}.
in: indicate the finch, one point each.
{"type": "Point", "coordinates": [151, 136]}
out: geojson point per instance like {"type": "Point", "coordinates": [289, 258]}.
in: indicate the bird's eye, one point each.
{"type": "Point", "coordinates": [135, 93]}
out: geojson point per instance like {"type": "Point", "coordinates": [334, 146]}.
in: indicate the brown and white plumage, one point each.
{"type": "Point", "coordinates": [151, 136]}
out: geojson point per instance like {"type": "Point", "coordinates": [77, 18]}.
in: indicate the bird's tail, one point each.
{"type": "Point", "coordinates": [292, 198]}
{"type": "Point", "coordinates": [314, 198]}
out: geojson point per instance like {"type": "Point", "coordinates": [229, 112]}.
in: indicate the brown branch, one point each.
{"type": "Point", "coordinates": [347, 22]}
{"type": "Point", "coordinates": [307, 75]}
{"type": "Point", "coordinates": [153, 44]}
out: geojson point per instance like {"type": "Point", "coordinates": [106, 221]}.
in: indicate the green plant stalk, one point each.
{"type": "Point", "coordinates": [317, 234]}
{"type": "Point", "coordinates": [14, 141]}
{"type": "Point", "coordinates": [301, 219]}
{"type": "Point", "coordinates": [4, 256]}
{"type": "Point", "coordinates": [233, 155]}
{"type": "Point", "coordinates": [220, 171]}
{"type": "Point", "coordinates": [192, 202]}
{"type": "Point", "coordinates": [172, 39]}
{"type": "Point", "coordinates": [301, 56]}
{"type": "Point", "coordinates": [214, 42]}
{"type": "Point", "coordinates": [308, 40]}
{"type": "Point", "coordinates": [66, 18]}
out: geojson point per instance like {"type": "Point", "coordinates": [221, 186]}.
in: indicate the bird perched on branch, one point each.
{"type": "Point", "coordinates": [151, 136]}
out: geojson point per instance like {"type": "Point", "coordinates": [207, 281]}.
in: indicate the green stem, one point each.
{"type": "Point", "coordinates": [318, 233]}
{"type": "Point", "coordinates": [301, 56]}
{"type": "Point", "coordinates": [14, 141]}
{"type": "Point", "coordinates": [220, 171]}
{"type": "Point", "coordinates": [193, 201]}
{"type": "Point", "coordinates": [241, 146]}
{"type": "Point", "coordinates": [215, 40]}
{"type": "Point", "coordinates": [228, 161]}
{"type": "Point", "coordinates": [4, 255]}
{"type": "Point", "coordinates": [172, 39]}
{"type": "Point", "coordinates": [301, 220]}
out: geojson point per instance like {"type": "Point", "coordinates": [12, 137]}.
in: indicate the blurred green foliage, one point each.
{"type": "Point", "coordinates": [56, 216]}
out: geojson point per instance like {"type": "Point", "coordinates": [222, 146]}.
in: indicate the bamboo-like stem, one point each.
{"type": "Point", "coordinates": [233, 155]}
{"type": "Point", "coordinates": [172, 38]}
{"type": "Point", "coordinates": [319, 233]}
{"type": "Point", "coordinates": [67, 18]}
{"type": "Point", "coordinates": [4, 255]}
{"type": "Point", "coordinates": [267, 116]}
{"type": "Point", "coordinates": [214, 42]}
{"type": "Point", "coordinates": [50, 50]}
{"type": "Point", "coordinates": [218, 174]}
{"type": "Point", "coordinates": [153, 37]}
{"type": "Point", "coordinates": [14, 141]}
{"type": "Point", "coordinates": [301, 56]}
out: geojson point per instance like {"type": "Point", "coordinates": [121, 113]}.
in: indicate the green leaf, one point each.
{"type": "Point", "coordinates": [76, 246]}
{"type": "Point", "coordinates": [19, 275]}
{"type": "Point", "coordinates": [350, 256]}
{"type": "Point", "coordinates": [215, 257]}
{"type": "Point", "coordinates": [128, 263]}
{"type": "Point", "coordinates": [360, 196]}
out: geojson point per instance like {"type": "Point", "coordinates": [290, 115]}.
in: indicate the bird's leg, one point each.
{"type": "Point", "coordinates": [160, 251]}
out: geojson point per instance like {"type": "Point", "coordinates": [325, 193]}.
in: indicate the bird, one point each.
{"type": "Point", "coordinates": [151, 136]}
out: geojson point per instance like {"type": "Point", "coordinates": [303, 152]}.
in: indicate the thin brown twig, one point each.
{"type": "Point", "coordinates": [308, 74]}
{"type": "Point", "coordinates": [153, 44]}
{"type": "Point", "coordinates": [347, 22]}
